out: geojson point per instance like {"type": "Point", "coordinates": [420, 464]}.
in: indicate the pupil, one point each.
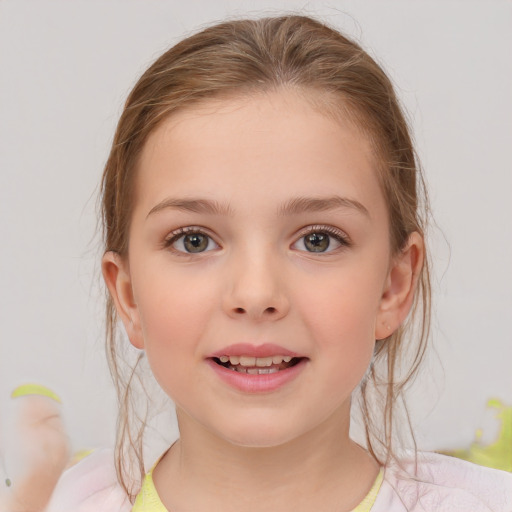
{"type": "Point", "coordinates": [195, 242]}
{"type": "Point", "coordinates": [317, 242]}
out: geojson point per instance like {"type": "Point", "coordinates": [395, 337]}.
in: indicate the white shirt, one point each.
{"type": "Point", "coordinates": [439, 484]}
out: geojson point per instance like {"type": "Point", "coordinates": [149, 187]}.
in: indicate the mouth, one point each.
{"type": "Point", "coordinates": [257, 365]}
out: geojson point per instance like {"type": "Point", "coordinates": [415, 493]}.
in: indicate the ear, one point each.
{"type": "Point", "coordinates": [116, 273]}
{"type": "Point", "coordinates": [401, 282]}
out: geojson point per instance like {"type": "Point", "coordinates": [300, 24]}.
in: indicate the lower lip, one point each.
{"type": "Point", "coordinates": [264, 383]}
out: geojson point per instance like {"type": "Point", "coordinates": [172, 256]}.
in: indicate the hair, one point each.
{"type": "Point", "coordinates": [245, 57]}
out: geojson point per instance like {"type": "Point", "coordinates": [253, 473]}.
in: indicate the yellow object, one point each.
{"type": "Point", "coordinates": [369, 499]}
{"type": "Point", "coordinates": [35, 389]}
{"type": "Point", "coordinates": [147, 500]}
{"type": "Point", "coordinates": [78, 456]}
{"type": "Point", "coordinates": [495, 455]}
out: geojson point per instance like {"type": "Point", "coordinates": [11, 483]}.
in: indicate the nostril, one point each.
{"type": "Point", "coordinates": [270, 312]}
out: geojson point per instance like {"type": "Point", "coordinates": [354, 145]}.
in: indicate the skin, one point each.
{"type": "Point", "coordinates": [257, 283]}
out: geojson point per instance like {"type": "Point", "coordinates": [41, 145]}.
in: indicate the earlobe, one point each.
{"type": "Point", "coordinates": [116, 274]}
{"type": "Point", "coordinates": [398, 293]}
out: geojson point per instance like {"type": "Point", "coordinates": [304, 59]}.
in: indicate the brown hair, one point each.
{"type": "Point", "coordinates": [250, 56]}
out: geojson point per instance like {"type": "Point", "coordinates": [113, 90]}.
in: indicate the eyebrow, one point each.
{"type": "Point", "coordinates": [294, 206]}
{"type": "Point", "coordinates": [192, 205]}
{"type": "Point", "coordinates": [320, 204]}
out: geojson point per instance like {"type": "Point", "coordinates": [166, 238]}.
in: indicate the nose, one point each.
{"type": "Point", "coordinates": [255, 289]}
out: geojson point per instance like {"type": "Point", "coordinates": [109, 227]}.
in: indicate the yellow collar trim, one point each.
{"type": "Point", "coordinates": [369, 499]}
{"type": "Point", "coordinates": [148, 501]}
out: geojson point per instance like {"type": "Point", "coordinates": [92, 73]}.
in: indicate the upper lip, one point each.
{"type": "Point", "coordinates": [247, 349]}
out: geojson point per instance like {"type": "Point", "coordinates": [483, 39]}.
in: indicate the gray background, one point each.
{"type": "Point", "coordinates": [65, 69]}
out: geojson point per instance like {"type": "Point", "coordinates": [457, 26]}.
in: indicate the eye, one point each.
{"type": "Point", "coordinates": [190, 241]}
{"type": "Point", "coordinates": [321, 239]}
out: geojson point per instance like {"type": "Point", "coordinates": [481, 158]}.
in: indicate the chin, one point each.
{"type": "Point", "coordinates": [258, 435]}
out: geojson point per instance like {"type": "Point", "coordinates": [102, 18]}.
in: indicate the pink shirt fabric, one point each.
{"type": "Point", "coordinates": [439, 484]}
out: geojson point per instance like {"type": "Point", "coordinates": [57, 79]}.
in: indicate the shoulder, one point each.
{"type": "Point", "coordinates": [437, 483]}
{"type": "Point", "coordinates": [90, 486]}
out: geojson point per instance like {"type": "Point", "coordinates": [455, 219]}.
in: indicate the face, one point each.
{"type": "Point", "coordinates": [259, 271]}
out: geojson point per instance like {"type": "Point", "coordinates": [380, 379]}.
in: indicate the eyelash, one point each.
{"type": "Point", "coordinates": [180, 233]}
{"type": "Point", "coordinates": [340, 236]}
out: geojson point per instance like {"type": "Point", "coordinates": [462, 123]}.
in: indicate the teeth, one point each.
{"type": "Point", "coordinates": [259, 371]}
{"type": "Point", "coordinates": [234, 360]}
{"type": "Point", "coordinates": [249, 361]}
{"type": "Point", "coordinates": [267, 370]}
{"type": "Point", "coordinates": [264, 361]}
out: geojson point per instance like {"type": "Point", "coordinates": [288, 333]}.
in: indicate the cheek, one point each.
{"type": "Point", "coordinates": [341, 316]}
{"type": "Point", "coordinates": [174, 311]}
{"type": "Point", "coordinates": [342, 306]}
{"type": "Point", "coordinates": [173, 323]}
{"type": "Point", "coordinates": [345, 343]}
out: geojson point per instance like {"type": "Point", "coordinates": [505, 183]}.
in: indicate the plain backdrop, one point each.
{"type": "Point", "coordinates": [65, 70]}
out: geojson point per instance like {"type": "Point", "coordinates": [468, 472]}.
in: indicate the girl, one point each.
{"type": "Point", "coordinates": [264, 221]}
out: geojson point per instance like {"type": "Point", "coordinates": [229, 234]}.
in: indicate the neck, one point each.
{"type": "Point", "coordinates": [322, 469]}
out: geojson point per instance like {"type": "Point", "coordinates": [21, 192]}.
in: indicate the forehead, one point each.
{"type": "Point", "coordinates": [268, 145]}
